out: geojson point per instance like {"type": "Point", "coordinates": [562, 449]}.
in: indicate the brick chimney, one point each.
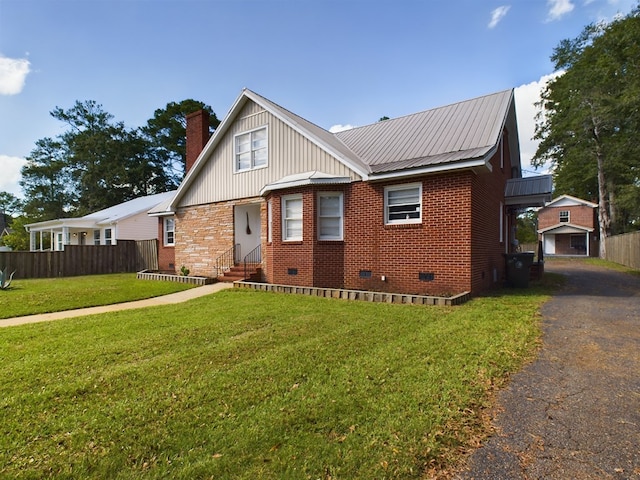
{"type": "Point", "coordinates": [197, 136]}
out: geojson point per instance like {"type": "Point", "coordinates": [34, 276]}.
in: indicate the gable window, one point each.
{"type": "Point", "coordinates": [292, 217]}
{"type": "Point", "coordinates": [564, 216]}
{"type": "Point", "coordinates": [251, 150]}
{"type": "Point", "coordinates": [403, 204]}
{"type": "Point", "coordinates": [169, 231]}
{"type": "Point", "coordinates": [96, 237]}
{"type": "Point", "coordinates": [330, 216]}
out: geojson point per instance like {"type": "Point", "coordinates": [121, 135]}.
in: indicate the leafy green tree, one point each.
{"type": "Point", "coordinates": [590, 121]}
{"type": "Point", "coordinates": [46, 182]}
{"type": "Point", "coordinates": [527, 231]}
{"type": "Point", "coordinates": [166, 133]}
{"type": "Point", "coordinates": [18, 238]}
{"type": "Point", "coordinates": [9, 203]}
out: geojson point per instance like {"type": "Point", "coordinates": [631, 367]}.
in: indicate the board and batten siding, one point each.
{"type": "Point", "coordinates": [289, 152]}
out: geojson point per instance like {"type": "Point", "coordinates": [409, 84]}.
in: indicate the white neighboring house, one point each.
{"type": "Point", "coordinates": [125, 221]}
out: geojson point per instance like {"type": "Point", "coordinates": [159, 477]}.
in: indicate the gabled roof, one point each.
{"type": "Point", "coordinates": [109, 215]}
{"type": "Point", "coordinates": [568, 200]}
{"type": "Point", "coordinates": [565, 228]}
{"type": "Point", "coordinates": [321, 137]}
{"type": "Point", "coordinates": [461, 135]}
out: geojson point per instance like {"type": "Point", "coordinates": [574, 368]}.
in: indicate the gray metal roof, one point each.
{"type": "Point", "coordinates": [528, 191]}
{"type": "Point", "coordinates": [444, 135]}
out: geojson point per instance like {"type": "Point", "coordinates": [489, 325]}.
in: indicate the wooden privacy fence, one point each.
{"type": "Point", "coordinates": [124, 257]}
{"type": "Point", "coordinates": [624, 249]}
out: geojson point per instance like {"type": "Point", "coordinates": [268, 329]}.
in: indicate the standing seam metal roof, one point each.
{"type": "Point", "coordinates": [461, 131]}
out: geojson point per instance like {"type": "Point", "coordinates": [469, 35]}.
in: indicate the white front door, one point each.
{"type": "Point", "coordinates": [247, 224]}
{"type": "Point", "coordinates": [549, 244]}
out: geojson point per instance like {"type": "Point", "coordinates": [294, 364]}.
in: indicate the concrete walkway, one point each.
{"type": "Point", "coordinates": [178, 297]}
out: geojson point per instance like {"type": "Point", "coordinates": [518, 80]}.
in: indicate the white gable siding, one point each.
{"type": "Point", "coordinates": [566, 202]}
{"type": "Point", "coordinates": [289, 152]}
{"type": "Point", "coordinates": [137, 227]}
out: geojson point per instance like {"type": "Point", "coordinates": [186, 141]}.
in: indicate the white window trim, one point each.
{"type": "Point", "coordinates": [108, 240]}
{"type": "Point", "coordinates": [285, 199]}
{"type": "Point", "coordinates": [235, 154]}
{"type": "Point", "coordinates": [404, 186]}
{"type": "Point", "coordinates": [165, 232]}
{"type": "Point", "coordinates": [269, 222]}
{"type": "Point", "coordinates": [340, 235]}
{"type": "Point", "coordinates": [568, 212]}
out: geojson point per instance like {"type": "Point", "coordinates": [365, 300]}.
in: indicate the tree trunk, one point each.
{"type": "Point", "coordinates": [604, 219]}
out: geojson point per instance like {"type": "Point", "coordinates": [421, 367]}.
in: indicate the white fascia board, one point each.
{"type": "Point", "coordinates": [559, 226]}
{"type": "Point", "coordinates": [206, 151]}
{"type": "Point", "coordinates": [467, 165]}
{"type": "Point", "coordinates": [305, 133]}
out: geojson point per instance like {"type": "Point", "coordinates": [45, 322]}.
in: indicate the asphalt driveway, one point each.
{"type": "Point", "coordinates": [574, 413]}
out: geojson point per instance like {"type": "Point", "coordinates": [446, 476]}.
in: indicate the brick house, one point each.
{"type": "Point", "coordinates": [568, 226]}
{"type": "Point", "coordinates": [415, 204]}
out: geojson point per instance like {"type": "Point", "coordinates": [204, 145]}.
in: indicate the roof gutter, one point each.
{"type": "Point", "coordinates": [476, 165]}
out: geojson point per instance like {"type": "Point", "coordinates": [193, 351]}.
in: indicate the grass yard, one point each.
{"type": "Point", "coordinates": [44, 295]}
{"type": "Point", "coordinates": [246, 384]}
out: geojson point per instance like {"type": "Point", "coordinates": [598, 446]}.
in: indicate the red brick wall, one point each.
{"type": "Point", "coordinates": [582, 215]}
{"type": "Point", "coordinates": [166, 255]}
{"type": "Point", "coordinates": [291, 263]}
{"type": "Point", "coordinates": [438, 247]}
{"type": "Point", "coordinates": [488, 263]}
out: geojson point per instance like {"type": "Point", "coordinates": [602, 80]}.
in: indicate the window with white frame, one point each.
{"type": "Point", "coordinates": [96, 237]}
{"type": "Point", "coordinates": [107, 236]}
{"type": "Point", "coordinates": [59, 242]}
{"type": "Point", "coordinates": [251, 150]}
{"type": "Point", "coordinates": [292, 217]}
{"type": "Point", "coordinates": [330, 216]}
{"type": "Point", "coordinates": [564, 216]}
{"type": "Point", "coordinates": [169, 231]}
{"type": "Point", "coordinates": [269, 222]}
{"type": "Point", "coordinates": [403, 204]}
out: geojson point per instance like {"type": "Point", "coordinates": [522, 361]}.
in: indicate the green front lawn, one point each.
{"type": "Point", "coordinates": [44, 295]}
{"type": "Point", "coordinates": [247, 384]}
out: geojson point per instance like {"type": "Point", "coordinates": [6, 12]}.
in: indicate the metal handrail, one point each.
{"type": "Point", "coordinates": [253, 257]}
{"type": "Point", "coordinates": [226, 260]}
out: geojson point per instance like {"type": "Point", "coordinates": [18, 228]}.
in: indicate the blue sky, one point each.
{"type": "Point", "coordinates": [333, 62]}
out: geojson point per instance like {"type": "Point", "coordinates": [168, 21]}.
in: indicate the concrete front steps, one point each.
{"type": "Point", "coordinates": [235, 273]}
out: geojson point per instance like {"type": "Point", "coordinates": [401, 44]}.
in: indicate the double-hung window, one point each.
{"type": "Point", "coordinates": [251, 150]}
{"type": "Point", "coordinates": [169, 231]}
{"type": "Point", "coordinates": [96, 237]}
{"type": "Point", "coordinates": [107, 236]}
{"type": "Point", "coordinates": [564, 216]}
{"type": "Point", "coordinates": [330, 216]}
{"type": "Point", "coordinates": [292, 218]}
{"type": "Point", "coordinates": [403, 204]}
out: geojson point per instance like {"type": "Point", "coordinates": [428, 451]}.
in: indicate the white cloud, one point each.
{"type": "Point", "coordinates": [498, 14]}
{"type": "Point", "coordinates": [13, 74]}
{"type": "Point", "coordinates": [526, 97]}
{"type": "Point", "coordinates": [340, 128]}
{"type": "Point", "coordinates": [558, 8]}
{"type": "Point", "coordinates": [10, 167]}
